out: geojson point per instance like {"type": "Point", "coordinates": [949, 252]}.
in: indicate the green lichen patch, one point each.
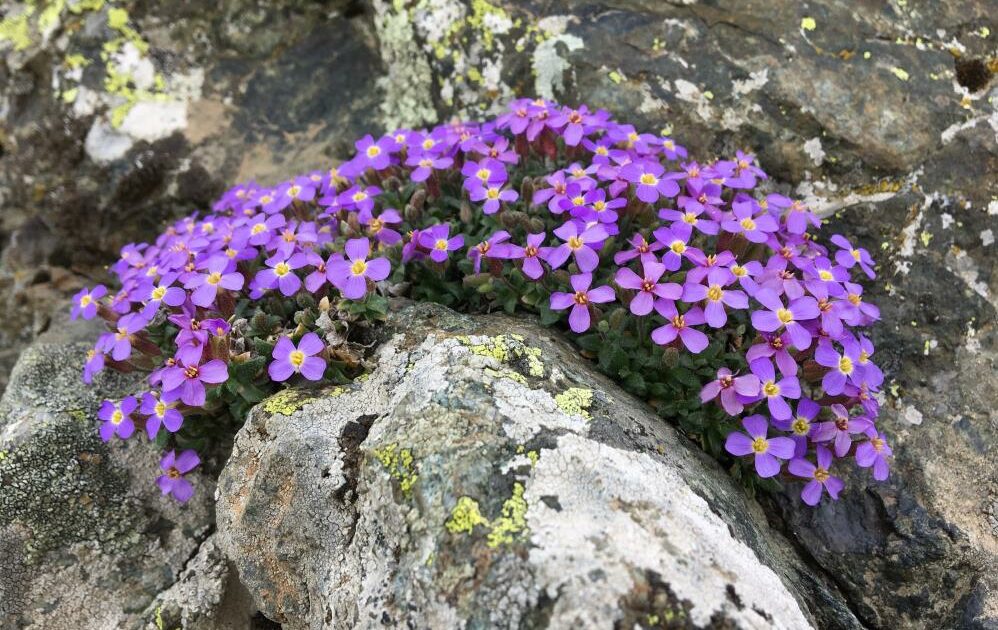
{"type": "Point", "coordinates": [465, 516]}
{"type": "Point", "coordinates": [509, 349]}
{"type": "Point", "coordinates": [286, 402]}
{"type": "Point", "coordinates": [509, 527]}
{"type": "Point", "coordinates": [575, 401]}
{"type": "Point", "coordinates": [400, 464]}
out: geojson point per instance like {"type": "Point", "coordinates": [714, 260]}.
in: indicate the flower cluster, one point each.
{"type": "Point", "coordinates": [713, 301]}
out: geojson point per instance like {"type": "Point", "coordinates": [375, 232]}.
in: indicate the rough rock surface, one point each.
{"type": "Point", "coordinates": [483, 473]}
{"type": "Point", "coordinates": [85, 539]}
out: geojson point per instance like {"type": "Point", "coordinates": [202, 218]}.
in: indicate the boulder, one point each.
{"type": "Point", "coordinates": [86, 540]}
{"type": "Point", "coordinates": [483, 474]}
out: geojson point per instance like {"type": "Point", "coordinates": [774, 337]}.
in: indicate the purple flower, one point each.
{"type": "Point", "coordinates": [676, 247]}
{"type": "Point", "coordinates": [553, 195]}
{"type": "Point", "coordinates": [281, 274]}
{"type": "Point", "coordinates": [774, 346]}
{"type": "Point", "coordinates": [820, 478]}
{"type": "Point", "coordinates": [437, 239]}
{"type": "Point", "coordinates": [119, 343]}
{"type": "Point", "coordinates": [163, 293]}
{"type": "Point", "coordinates": [351, 275]}
{"type": "Point", "coordinates": [377, 226]}
{"type": "Point", "coordinates": [856, 312]}
{"type": "Point", "coordinates": [802, 425]}
{"type": "Point", "coordinates": [735, 391]}
{"type": "Point", "coordinates": [94, 364]}
{"type": "Point", "coordinates": [318, 278]}
{"type": "Point", "coordinates": [862, 349]}
{"type": "Point", "coordinates": [376, 155]}
{"type": "Point", "coordinates": [641, 247]}
{"type": "Point", "coordinates": [848, 256]}
{"type": "Point", "coordinates": [747, 223]}
{"type": "Point", "coordinates": [874, 452]}
{"type": "Point", "coordinates": [189, 379]}
{"type": "Point", "coordinates": [843, 367]}
{"type": "Point", "coordinates": [840, 430]}
{"type": "Point", "coordinates": [206, 285]}
{"type": "Point", "coordinates": [595, 207]}
{"type": "Point", "coordinates": [798, 217]}
{"type": "Point", "coordinates": [790, 317]}
{"type": "Point", "coordinates": [651, 184]}
{"type": "Point", "coordinates": [495, 247]}
{"type": "Point", "coordinates": [85, 302]}
{"type": "Point", "coordinates": [648, 287]}
{"type": "Point", "coordinates": [117, 418]}
{"type": "Point", "coordinates": [484, 173]}
{"type": "Point", "coordinates": [716, 296]}
{"type": "Point", "coordinates": [174, 468]}
{"type": "Point", "coordinates": [577, 244]}
{"type": "Point", "coordinates": [263, 227]}
{"type": "Point", "coordinates": [775, 391]}
{"type": "Point", "coordinates": [160, 411]}
{"type": "Point", "coordinates": [576, 123]}
{"type": "Point", "coordinates": [679, 326]}
{"type": "Point", "coordinates": [578, 319]}
{"type": "Point", "coordinates": [768, 451]}
{"type": "Point", "coordinates": [289, 360]}
{"type": "Point", "coordinates": [533, 254]}
{"type": "Point", "coordinates": [493, 195]}
{"type": "Point", "coordinates": [425, 164]}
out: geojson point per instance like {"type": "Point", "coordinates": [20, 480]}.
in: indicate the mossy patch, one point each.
{"type": "Point", "coordinates": [575, 401]}
{"type": "Point", "coordinates": [400, 464]}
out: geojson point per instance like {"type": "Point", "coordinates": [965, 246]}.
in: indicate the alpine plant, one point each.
{"type": "Point", "coordinates": [713, 301]}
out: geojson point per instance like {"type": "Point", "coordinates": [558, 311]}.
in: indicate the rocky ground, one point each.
{"type": "Point", "coordinates": [881, 115]}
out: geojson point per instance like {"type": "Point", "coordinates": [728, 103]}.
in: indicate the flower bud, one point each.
{"type": "Point", "coordinates": [418, 199]}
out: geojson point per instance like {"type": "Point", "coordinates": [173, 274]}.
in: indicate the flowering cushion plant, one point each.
{"type": "Point", "coordinates": [712, 301]}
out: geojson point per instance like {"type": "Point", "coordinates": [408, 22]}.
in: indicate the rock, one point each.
{"type": "Point", "coordinates": [85, 538]}
{"type": "Point", "coordinates": [483, 474]}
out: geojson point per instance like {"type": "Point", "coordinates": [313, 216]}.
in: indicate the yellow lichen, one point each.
{"type": "Point", "coordinates": [808, 24]}
{"type": "Point", "coordinates": [507, 348]}
{"type": "Point", "coordinates": [533, 456]}
{"type": "Point", "coordinates": [15, 29]}
{"type": "Point", "coordinates": [512, 523]}
{"type": "Point", "coordinates": [575, 401]}
{"type": "Point", "coordinates": [286, 402]}
{"type": "Point", "coordinates": [400, 464]}
{"type": "Point", "coordinates": [900, 73]}
{"type": "Point", "coordinates": [465, 516]}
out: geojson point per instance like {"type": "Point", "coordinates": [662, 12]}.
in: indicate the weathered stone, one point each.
{"type": "Point", "coordinates": [483, 474]}
{"type": "Point", "coordinates": [85, 536]}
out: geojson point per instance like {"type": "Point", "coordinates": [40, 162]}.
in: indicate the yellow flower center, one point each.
{"type": "Point", "coordinates": [785, 316]}
{"type": "Point", "coordinates": [288, 236]}
{"type": "Point", "coordinates": [282, 269]}
{"type": "Point", "coordinates": [678, 247]}
{"type": "Point", "coordinates": [760, 445]}
{"type": "Point", "coordinates": [214, 278]}
{"type": "Point", "coordinates": [266, 199]}
{"type": "Point", "coordinates": [748, 223]}
{"type": "Point", "coordinates": [575, 242]}
{"type": "Point", "coordinates": [161, 409]}
{"type": "Point", "coordinates": [714, 293]}
{"type": "Point", "coordinates": [294, 191]}
{"type": "Point", "coordinates": [689, 217]}
{"type": "Point", "coordinates": [599, 206]}
{"type": "Point", "coordinates": [117, 417]}
{"type": "Point", "coordinates": [739, 271]}
{"type": "Point", "coordinates": [878, 444]}
{"type": "Point", "coordinates": [855, 254]}
{"type": "Point", "coordinates": [845, 365]}
{"type": "Point", "coordinates": [821, 474]}
{"type": "Point", "coordinates": [771, 389]}
{"type": "Point", "coordinates": [85, 301]}
{"type": "Point", "coordinates": [373, 151]}
{"type": "Point", "coordinates": [649, 180]}
{"type": "Point", "coordinates": [259, 227]}
{"type": "Point", "coordinates": [578, 201]}
{"type": "Point", "coordinates": [632, 137]}
{"type": "Point", "coordinates": [297, 357]}
{"type": "Point", "coordinates": [231, 253]}
{"type": "Point", "coordinates": [152, 271]}
{"type": "Point", "coordinates": [493, 193]}
{"type": "Point", "coordinates": [825, 274]}
{"type": "Point", "coordinates": [483, 174]}
{"type": "Point", "coordinates": [854, 299]}
{"type": "Point", "coordinates": [441, 244]}
{"type": "Point", "coordinates": [358, 267]}
{"type": "Point", "coordinates": [428, 143]}
{"type": "Point", "coordinates": [359, 196]}
{"type": "Point", "coordinates": [864, 356]}
{"type": "Point", "coordinates": [801, 425]}
{"type": "Point", "coordinates": [158, 293]}
{"type": "Point", "coordinates": [581, 298]}
{"type": "Point", "coordinates": [601, 150]}
{"type": "Point", "coordinates": [679, 322]}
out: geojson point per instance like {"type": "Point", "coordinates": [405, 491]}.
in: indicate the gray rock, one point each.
{"type": "Point", "coordinates": [85, 538]}
{"type": "Point", "coordinates": [484, 475]}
